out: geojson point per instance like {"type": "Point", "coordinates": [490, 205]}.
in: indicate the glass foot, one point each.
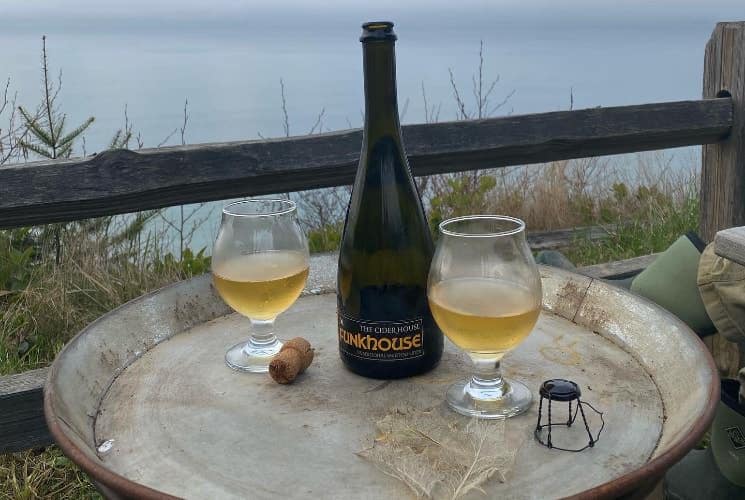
{"type": "Point", "coordinates": [252, 356]}
{"type": "Point", "coordinates": [506, 400]}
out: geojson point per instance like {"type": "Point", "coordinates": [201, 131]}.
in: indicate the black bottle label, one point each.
{"type": "Point", "coordinates": [381, 340]}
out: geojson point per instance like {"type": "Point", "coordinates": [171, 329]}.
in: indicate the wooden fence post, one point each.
{"type": "Point", "coordinates": [723, 164]}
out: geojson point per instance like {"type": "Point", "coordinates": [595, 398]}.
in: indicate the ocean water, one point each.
{"type": "Point", "coordinates": [227, 60]}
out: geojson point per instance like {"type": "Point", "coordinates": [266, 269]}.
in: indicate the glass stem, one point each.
{"type": "Point", "coordinates": [262, 334]}
{"type": "Point", "coordinates": [487, 378]}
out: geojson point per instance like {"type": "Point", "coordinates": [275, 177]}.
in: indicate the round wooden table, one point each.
{"type": "Point", "coordinates": [142, 400]}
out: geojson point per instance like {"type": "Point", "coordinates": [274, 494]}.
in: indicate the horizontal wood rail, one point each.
{"type": "Point", "coordinates": [116, 182]}
{"type": "Point", "coordinates": [22, 424]}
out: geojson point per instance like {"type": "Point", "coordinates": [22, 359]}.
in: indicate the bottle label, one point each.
{"type": "Point", "coordinates": [381, 340]}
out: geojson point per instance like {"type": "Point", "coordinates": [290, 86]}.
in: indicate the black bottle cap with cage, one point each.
{"type": "Point", "coordinates": [560, 390]}
{"type": "Point", "coordinates": [564, 391]}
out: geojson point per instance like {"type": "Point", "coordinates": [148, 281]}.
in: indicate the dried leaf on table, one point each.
{"type": "Point", "coordinates": [437, 458]}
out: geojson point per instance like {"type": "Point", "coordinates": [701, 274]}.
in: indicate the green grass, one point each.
{"type": "Point", "coordinates": [43, 474]}
{"type": "Point", "coordinates": [640, 236]}
{"type": "Point", "coordinates": [45, 300]}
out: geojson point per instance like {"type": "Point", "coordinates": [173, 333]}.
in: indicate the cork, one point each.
{"type": "Point", "coordinates": [293, 359]}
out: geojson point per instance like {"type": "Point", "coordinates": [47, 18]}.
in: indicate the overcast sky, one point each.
{"type": "Point", "coordinates": [139, 8]}
{"type": "Point", "coordinates": [201, 5]}
{"type": "Point", "coordinates": [240, 16]}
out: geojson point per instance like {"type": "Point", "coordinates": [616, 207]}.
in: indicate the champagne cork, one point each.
{"type": "Point", "coordinates": [295, 356]}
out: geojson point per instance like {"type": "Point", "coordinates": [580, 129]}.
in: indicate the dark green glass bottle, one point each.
{"type": "Point", "coordinates": [386, 329]}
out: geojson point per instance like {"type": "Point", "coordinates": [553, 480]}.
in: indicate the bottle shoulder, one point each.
{"type": "Point", "coordinates": [385, 207]}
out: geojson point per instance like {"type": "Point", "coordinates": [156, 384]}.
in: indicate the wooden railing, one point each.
{"type": "Point", "coordinates": [122, 181]}
{"type": "Point", "coordinates": [118, 182]}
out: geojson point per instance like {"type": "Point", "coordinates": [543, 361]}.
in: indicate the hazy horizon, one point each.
{"type": "Point", "coordinates": [227, 57]}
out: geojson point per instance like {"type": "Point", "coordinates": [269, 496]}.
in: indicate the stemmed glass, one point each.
{"type": "Point", "coordinates": [259, 267]}
{"type": "Point", "coordinates": [484, 291]}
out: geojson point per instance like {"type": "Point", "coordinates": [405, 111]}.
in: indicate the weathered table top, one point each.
{"type": "Point", "coordinates": [149, 382]}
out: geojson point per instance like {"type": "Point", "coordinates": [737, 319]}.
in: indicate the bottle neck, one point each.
{"type": "Point", "coordinates": [381, 103]}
